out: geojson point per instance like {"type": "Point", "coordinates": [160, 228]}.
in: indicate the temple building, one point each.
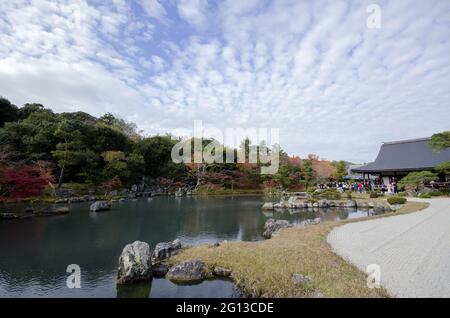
{"type": "Point", "coordinates": [396, 159]}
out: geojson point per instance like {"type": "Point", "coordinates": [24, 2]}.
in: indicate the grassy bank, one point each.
{"type": "Point", "coordinates": [265, 268]}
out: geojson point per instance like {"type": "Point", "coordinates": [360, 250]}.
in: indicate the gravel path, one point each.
{"type": "Point", "coordinates": [412, 250]}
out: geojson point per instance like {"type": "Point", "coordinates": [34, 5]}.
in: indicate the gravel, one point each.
{"type": "Point", "coordinates": [412, 250]}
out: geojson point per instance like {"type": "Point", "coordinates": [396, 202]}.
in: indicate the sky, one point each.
{"type": "Point", "coordinates": [332, 81]}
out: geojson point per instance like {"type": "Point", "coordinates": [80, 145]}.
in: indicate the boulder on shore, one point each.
{"type": "Point", "coordinates": [272, 226]}
{"type": "Point", "coordinates": [98, 206]}
{"type": "Point", "coordinates": [301, 280]}
{"type": "Point", "coordinates": [222, 272]}
{"type": "Point", "coordinates": [164, 250]}
{"type": "Point", "coordinates": [350, 204]}
{"type": "Point", "coordinates": [378, 208]}
{"type": "Point", "coordinates": [190, 271]}
{"type": "Point", "coordinates": [134, 263]}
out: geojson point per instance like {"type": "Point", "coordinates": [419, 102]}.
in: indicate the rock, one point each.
{"type": "Point", "coordinates": [371, 204]}
{"type": "Point", "coordinates": [99, 206]}
{"type": "Point", "coordinates": [379, 209]}
{"type": "Point", "coordinates": [222, 272]}
{"type": "Point", "coordinates": [61, 201]}
{"type": "Point", "coordinates": [331, 204]}
{"type": "Point", "coordinates": [311, 221]}
{"type": "Point", "coordinates": [52, 210]}
{"type": "Point", "coordinates": [164, 250]}
{"type": "Point", "coordinates": [29, 210]}
{"type": "Point", "coordinates": [77, 200]}
{"type": "Point", "coordinates": [350, 204]}
{"type": "Point", "coordinates": [301, 280]}
{"type": "Point", "coordinates": [134, 263]}
{"type": "Point", "coordinates": [8, 216]}
{"type": "Point", "coordinates": [160, 270]}
{"type": "Point", "coordinates": [62, 210]}
{"type": "Point", "coordinates": [272, 226]}
{"type": "Point", "coordinates": [317, 294]}
{"type": "Point", "coordinates": [150, 199]}
{"type": "Point", "coordinates": [268, 206]}
{"type": "Point", "coordinates": [323, 204]}
{"type": "Point", "coordinates": [216, 244]}
{"type": "Point", "coordinates": [315, 205]}
{"type": "Point", "coordinates": [363, 205]}
{"type": "Point", "coordinates": [188, 272]}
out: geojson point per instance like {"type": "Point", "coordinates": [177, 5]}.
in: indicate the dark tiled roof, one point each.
{"type": "Point", "coordinates": [406, 155]}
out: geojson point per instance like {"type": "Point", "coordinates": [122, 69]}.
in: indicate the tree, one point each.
{"type": "Point", "coordinates": [8, 111]}
{"type": "Point", "coordinates": [308, 171]}
{"type": "Point", "coordinates": [417, 179]}
{"type": "Point", "coordinates": [341, 170]}
{"type": "Point", "coordinates": [440, 141]}
{"type": "Point", "coordinates": [111, 185]}
{"type": "Point", "coordinates": [282, 177]}
{"type": "Point", "coordinates": [119, 165]}
{"type": "Point", "coordinates": [443, 167]}
{"type": "Point", "coordinates": [22, 181]}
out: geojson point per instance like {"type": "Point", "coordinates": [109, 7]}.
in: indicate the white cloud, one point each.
{"type": "Point", "coordinates": [311, 68]}
{"type": "Point", "coordinates": [193, 11]}
{"type": "Point", "coordinates": [154, 9]}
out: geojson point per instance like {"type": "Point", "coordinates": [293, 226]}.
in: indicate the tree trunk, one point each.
{"type": "Point", "coordinates": [61, 174]}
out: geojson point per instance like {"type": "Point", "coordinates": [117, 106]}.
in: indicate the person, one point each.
{"type": "Point", "coordinates": [360, 187]}
{"type": "Point", "coordinates": [389, 188]}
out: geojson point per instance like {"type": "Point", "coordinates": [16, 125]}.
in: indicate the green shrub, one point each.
{"type": "Point", "coordinates": [373, 194]}
{"type": "Point", "coordinates": [396, 200]}
{"type": "Point", "coordinates": [329, 194]}
{"type": "Point", "coordinates": [402, 194]}
{"type": "Point", "coordinates": [424, 196]}
{"type": "Point", "coordinates": [435, 193]}
{"type": "Point", "coordinates": [445, 191]}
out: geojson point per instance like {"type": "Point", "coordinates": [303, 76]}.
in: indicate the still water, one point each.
{"type": "Point", "coordinates": [35, 252]}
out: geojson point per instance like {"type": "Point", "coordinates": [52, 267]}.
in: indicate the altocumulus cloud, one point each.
{"type": "Point", "coordinates": [311, 68]}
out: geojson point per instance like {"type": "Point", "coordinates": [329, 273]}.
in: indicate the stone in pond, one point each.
{"type": "Point", "coordinates": [164, 250]}
{"type": "Point", "coordinates": [98, 206]}
{"type": "Point", "coordinates": [135, 263]}
{"type": "Point", "coordinates": [191, 271]}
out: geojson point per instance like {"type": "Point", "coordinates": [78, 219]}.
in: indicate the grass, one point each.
{"type": "Point", "coordinates": [265, 268]}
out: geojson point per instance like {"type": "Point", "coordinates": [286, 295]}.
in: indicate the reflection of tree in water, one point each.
{"type": "Point", "coordinates": [136, 290]}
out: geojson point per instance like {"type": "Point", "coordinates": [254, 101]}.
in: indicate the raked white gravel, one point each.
{"type": "Point", "coordinates": [412, 250]}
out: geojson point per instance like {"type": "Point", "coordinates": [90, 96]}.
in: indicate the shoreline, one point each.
{"type": "Point", "coordinates": [266, 268]}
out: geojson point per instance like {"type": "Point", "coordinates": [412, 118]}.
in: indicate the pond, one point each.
{"type": "Point", "coordinates": [35, 252]}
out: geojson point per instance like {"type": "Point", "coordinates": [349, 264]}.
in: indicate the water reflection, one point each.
{"type": "Point", "coordinates": [35, 252]}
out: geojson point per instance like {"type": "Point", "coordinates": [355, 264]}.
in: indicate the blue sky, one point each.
{"type": "Point", "coordinates": [314, 69]}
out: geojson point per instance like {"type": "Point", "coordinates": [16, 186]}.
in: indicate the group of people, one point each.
{"type": "Point", "coordinates": [362, 186]}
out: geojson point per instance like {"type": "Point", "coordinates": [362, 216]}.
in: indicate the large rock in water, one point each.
{"type": "Point", "coordinates": [191, 271]}
{"type": "Point", "coordinates": [134, 263]}
{"type": "Point", "coordinates": [350, 204]}
{"type": "Point", "coordinates": [99, 206]}
{"type": "Point", "coordinates": [272, 226]}
{"type": "Point", "coordinates": [165, 250]}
